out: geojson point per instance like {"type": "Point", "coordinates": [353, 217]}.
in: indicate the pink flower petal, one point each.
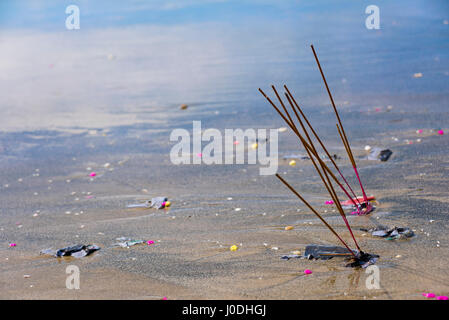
{"type": "Point", "coordinates": [12, 244]}
{"type": "Point", "coordinates": [442, 298]}
{"type": "Point", "coordinates": [329, 202]}
{"type": "Point", "coordinates": [92, 174]}
{"type": "Point", "coordinates": [429, 295]}
{"type": "Point", "coordinates": [150, 242]}
{"type": "Point", "coordinates": [307, 271]}
{"type": "Point", "coordinates": [440, 132]}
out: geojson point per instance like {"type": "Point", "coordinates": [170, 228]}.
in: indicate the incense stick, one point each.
{"type": "Point", "coordinates": [339, 121]}
{"type": "Point", "coordinates": [283, 106]}
{"type": "Point", "coordinates": [324, 148]}
{"type": "Point", "coordinates": [310, 150]}
{"type": "Point", "coordinates": [328, 185]}
{"type": "Point", "coordinates": [351, 157]}
{"type": "Point", "coordinates": [306, 145]}
{"type": "Point", "coordinates": [315, 212]}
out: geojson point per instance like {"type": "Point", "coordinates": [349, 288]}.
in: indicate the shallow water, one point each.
{"type": "Point", "coordinates": [110, 92]}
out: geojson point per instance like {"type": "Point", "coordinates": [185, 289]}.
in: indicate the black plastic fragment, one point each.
{"type": "Point", "coordinates": [385, 154]}
{"type": "Point", "coordinates": [77, 251]}
{"type": "Point", "coordinates": [314, 251]}
{"type": "Point", "coordinates": [395, 233]}
{"type": "Point", "coordinates": [359, 259]}
{"type": "Point", "coordinates": [362, 260]}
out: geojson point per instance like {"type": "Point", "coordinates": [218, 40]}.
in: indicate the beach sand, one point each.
{"type": "Point", "coordinates": [105, 100]}
{"type": "Point", "coordinates": [191, 256]}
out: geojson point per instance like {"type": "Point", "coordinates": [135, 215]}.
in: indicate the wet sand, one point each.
{"type": "Point", "coordinates": [120, 103]}
{"type": "Point", "coordinates": [191, 256]}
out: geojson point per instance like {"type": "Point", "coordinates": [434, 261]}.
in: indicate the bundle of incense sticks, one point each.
{"type": "Point", "coordinates": [326, 175]}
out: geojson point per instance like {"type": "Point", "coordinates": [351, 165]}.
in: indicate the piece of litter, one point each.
{"type": "Point", "coordinates": [237, 209]}
{"type": "Point", "coordinates": [157, 202]}
{"type": "Point", "coordinates": [395, 233]}
{"type": "Point", "coordinates": [288, 228]}
{"type": "Point", "coordinates": [282, 129]}
{"type": "Point", "coordinates": [291, 256]}
{"type": "Point", "coordinates": [183, 107]}
{"type": "Point", "coordinates": [323, 252]}
{"type": "Point", "coordinates": [417, 75]}
{"type": "Point", "coordinates": [233, 248]}
{"type": "Point", "coordinates": [126, 242]}
{"type": "Point", "coordinates": [26, 276]}
{"type": "Point", "coordinates": [379, 154]}
{"type": "Point", "coordinates": [254, 146]}
{"type": "Point", "coordinates": [292, 163]}
{"type": "Point", "coordinates": [367, 148]}
{"type": "Point", "coordinates": [77, 251]}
